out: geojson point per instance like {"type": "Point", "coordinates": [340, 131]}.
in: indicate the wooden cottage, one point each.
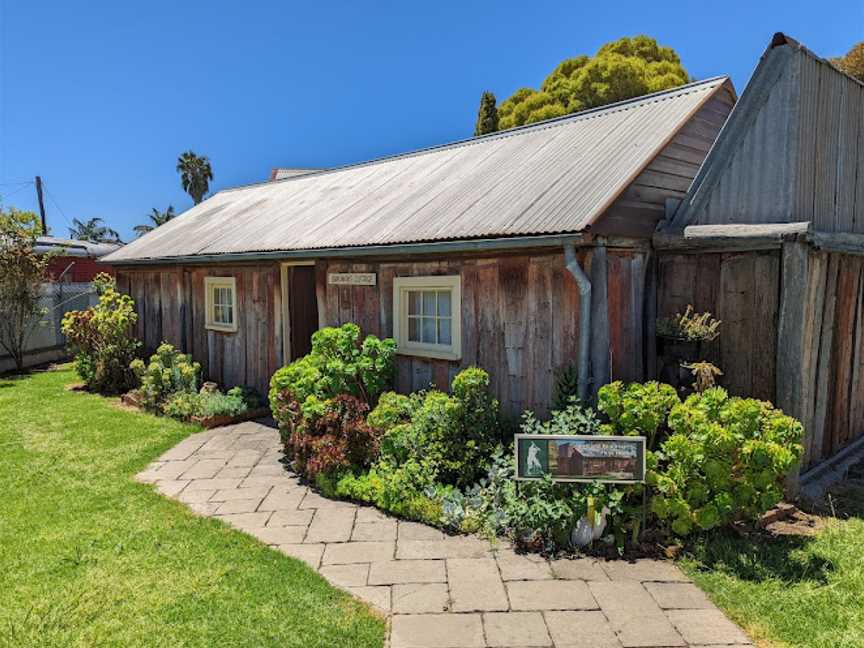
{"type": "Point", "coordinates": [770, 237]}
{"type": "Point", "coordinates": [521, 252]}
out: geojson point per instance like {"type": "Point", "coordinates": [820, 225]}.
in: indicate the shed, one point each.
{"type": "Point", "coordinates": [522, 252]}
{"type": "Point", "coordinates": [770, 237]}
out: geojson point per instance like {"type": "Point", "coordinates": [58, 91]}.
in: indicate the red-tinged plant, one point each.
{"type": "Point", "coordinates": [336, 441]}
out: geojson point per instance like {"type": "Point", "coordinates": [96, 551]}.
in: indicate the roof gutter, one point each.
{"type": "Point", "coordinates": [440, 247]}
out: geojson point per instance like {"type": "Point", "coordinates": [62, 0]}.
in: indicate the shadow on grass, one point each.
{"type": "Point", "coordinates": [760, 557]}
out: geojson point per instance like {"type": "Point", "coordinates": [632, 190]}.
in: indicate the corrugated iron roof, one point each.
{"type": "Point", "coordinates": [553, 177]}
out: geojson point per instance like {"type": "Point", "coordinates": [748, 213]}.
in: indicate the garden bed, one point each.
{"type": "Point", "coordinates": [209, 422]}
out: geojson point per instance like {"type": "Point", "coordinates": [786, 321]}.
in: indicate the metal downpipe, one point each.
{"type": "Point", "coordinates": [584, 285]}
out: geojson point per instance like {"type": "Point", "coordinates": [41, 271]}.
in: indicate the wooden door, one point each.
{"type": "Point", "coordinates": [302, 309]}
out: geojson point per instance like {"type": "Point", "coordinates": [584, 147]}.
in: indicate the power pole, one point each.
{"type": "Point", "coordinates": [41, 205]}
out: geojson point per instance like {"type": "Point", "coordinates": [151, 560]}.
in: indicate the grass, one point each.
{"type": "Point", "coordinates": [88, 557]}
{"type": "Point", "coordinates": [788, 590]}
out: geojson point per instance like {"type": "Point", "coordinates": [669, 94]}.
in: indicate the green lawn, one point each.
{"type": "Point", "coordinates": [791, 591]}
{"type": "Point", "coordinates": [88, 557]}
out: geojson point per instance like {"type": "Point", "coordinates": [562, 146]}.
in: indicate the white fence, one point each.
{"type": "Point", "coordinates": [47, 343]}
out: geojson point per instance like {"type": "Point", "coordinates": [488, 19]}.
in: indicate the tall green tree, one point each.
{"type": "Point", "coordinates": [487, 115]}
{"type": "Point", "coordinates": [22, 272]}
{"type": "Point", "coordinates": [622, 69]}
{"type": "Point", "coordinates": [853, 63]}
{"type": "Point", "coordinates": [157, 218]}
{"type": "Point", "coordinates": [93, 230]}
{"type": "Point", "coordinates": [195, 175]}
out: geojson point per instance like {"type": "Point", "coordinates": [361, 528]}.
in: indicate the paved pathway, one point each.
{"type": "Point", "coordinates": [440, 591]}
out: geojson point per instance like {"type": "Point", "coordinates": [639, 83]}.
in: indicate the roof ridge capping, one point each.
{"type": "Point", "coordinates": [780, 39]}
{"type": "Point", "coordinates": [616, 106]}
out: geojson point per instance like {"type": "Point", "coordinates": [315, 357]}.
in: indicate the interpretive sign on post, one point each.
{"type": "Point", "coordinates": [579, 458]}
{"type": "Point", "coordinates": [351, 279]}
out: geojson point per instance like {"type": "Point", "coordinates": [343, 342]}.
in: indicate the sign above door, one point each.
{"type": "Point", "coordinates": [351, 278]}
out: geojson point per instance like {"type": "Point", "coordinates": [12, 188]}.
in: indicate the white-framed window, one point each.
{"type": "Point", "coordinates": [221, 303]}
{"type": "Point", "coordinates": [427, 316]}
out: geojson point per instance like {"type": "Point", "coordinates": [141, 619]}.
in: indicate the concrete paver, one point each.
{"type": "Point", "coordinates": [440, 591]}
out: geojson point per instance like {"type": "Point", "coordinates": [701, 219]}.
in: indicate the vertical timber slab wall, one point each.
{"type": "Point", "coordinates": [792, 332]}
{"type": "Point", "coordinates": [742, 290]}
{"type": "Point", "coordinates": [821, 354]}
{"type": "Point", "coordinates": [171, 308]}
{"type": "Point", "coordinates": [520, 319]}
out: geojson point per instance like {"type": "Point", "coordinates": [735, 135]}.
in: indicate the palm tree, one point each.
{"type": "Point", "coordinates": [157, 218]}
{"type": "Point", "coordinates": [195, 175]}
{"type": "Point", "coordinates": [93, 230]}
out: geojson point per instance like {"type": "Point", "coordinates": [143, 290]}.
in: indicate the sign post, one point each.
{"type": "Point", "coordinates": [580, 458]}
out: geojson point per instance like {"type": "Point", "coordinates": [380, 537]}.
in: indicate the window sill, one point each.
{"type": "Point", "coordinates": [432, 354]}
{"type": "Point", "coordinates": [220, 329]}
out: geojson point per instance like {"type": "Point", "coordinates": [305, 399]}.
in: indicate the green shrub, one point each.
{"type": "Point", "coordinates": [168, 372]}
{"type": "Point", "coordinates": [101, 339]}
{"type": "Point", "coordinates": [455, 433]}
{"type": "Point", "coordinates": [406, 490]}
{"type": "Point", "coordinates": [339, 363]}
{"type": "Point", "coordinates": [186, 404]}
{"type": "Point", "coordinates": [637, 409]}
{"type": "Point", "coordinates": [725, 461]}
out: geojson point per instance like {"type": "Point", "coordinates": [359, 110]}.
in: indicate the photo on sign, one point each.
{"type": "Point", "coordinates": [580, 458]}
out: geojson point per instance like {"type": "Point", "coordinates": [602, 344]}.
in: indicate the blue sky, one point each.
{"type": "Point", "coordinates": [99, 98]}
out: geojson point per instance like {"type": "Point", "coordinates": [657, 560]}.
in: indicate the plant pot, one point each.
{"type": "Point", "coordinates": [672, 352]}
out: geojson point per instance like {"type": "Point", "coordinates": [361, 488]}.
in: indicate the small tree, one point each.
{"type": "Point", "coordinates": [487, 116]}
{"type": "Point", "coordinates": [22, 272]}
{"type": "Point", "coordinates": [101, 338]}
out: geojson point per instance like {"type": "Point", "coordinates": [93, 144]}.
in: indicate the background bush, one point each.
{"type": "Point", "coordinates": [101, 339]}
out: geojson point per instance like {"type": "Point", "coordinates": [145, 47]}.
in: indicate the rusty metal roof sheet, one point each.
{"type": "Point", "coordinates": [552, 177]}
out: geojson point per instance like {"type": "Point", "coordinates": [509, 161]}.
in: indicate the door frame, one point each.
{"type": "Point", "coordinates": [286, 305]}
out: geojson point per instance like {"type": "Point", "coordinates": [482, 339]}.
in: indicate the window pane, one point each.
{"type": "Point", "coordinates": [444, 325]}
{"type": "Point", "coordinates": [429, 302]}
{"type": "Point", "coordinates": [428, 330]}
{"type": "Point", "coordinates": [414, 298]}
{"type": "Point", "coordinates": [444, 302]}
{"type": "Point", "coordinates": [413, 329]}
{"type": "Point", "coordinates": [217, 313]}
{"type": "Point", "coordinates": [229, 314]}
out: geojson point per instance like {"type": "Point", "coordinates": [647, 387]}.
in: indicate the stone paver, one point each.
{"type": "Point", "coordinates": [581, 630]}
{"type": "Point", "coordinates": [678, 596]}
{"type": "Point", "coordinates": [515, 629]}
{"type": "Point", "coordinates": [515, 566]}
{"type": "Point", "coordinates": [342, 553]}
{"type": "Point", "coordinates": [550, 595]}
{"type": "Point", "coordinates": [475, 584]}
{"type": "Point", "coordinates": [440, 591]}
{"type": "Point", "coordinates": [420, 598]}
{"type": "Point", "coordinates": [437, 631]}
{"type": "Point", "coordinates": [407, 571]}
{"type": "Point", "coordinates": [634, 615]}
{"type": "Point", "coordinates": [706, 627]}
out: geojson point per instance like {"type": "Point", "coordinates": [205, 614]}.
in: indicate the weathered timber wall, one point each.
{"type": "Point", "coordinates": [792, 332]}
{"type": "Point", "coordinates": [170, 306]}
{"type": "Point", "coordinates": [741, 289]}
{"type": "Point", "coordinates": [520, 319]}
